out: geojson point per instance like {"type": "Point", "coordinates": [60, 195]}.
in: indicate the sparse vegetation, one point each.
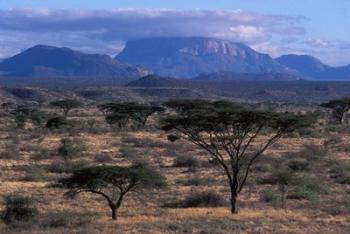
{"type": "Point", "coordinates": [305, 172]}
{"type": "Point", "coordinates": [71, 148]}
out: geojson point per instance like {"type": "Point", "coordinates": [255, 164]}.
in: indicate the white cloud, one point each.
{"type": "Point", "coordinates": [103, 31]}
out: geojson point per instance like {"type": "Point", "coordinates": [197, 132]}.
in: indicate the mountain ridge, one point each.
{"type": "Point", "coordinates": [51, 61]}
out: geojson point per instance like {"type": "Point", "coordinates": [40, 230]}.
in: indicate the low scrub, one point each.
{"type": "Point", "coordinates": [19, 209]}
{"type": "Point", "coordinates": [340, 171]}
{"type": "Point", "coordinates": [186, 161]}
{"type": "Point", "coordinates": [71, 148]}
{"type": "Point", "coordinates": [199, 199]}
{"type": "Point", "coordinates": [269, 196]}
{"type": "Point", "coordinates": [35, 174]}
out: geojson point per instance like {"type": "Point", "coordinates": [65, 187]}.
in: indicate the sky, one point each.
{"type": "Point", "coordinates": [316, 27]}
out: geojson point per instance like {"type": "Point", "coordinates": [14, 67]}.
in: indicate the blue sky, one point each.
{"type": "Point", "coordinates": [276, 27]}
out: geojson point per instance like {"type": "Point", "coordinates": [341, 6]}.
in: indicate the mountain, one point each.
{"type": "Point", "coordinates": [312, 67]}
{"type": "Point", "coordinates": [305, 64]}
{"type": "Point", "coordinates": [190, 57]}
{"type": "Point", "coordinates": [226, 76]}
{"type": "Point", "coordinates": [49, 61]}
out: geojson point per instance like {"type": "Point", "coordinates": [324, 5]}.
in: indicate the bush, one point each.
{"type": "Point", "coordinates": [263, 167]}
{"type": "Point", "coordinates": [11, 151]}
{"type": "Point", "coordinates": [71, 148]}
{"type": "Point", "coordinates": [58, 166]}
{"type": "Point", "coordinates": [103, 158]}
{"type": "Point", "coordinates": [312, 183]}
{"type": "Point", "coordinates": [298, 164]}
{"type": "Point", "coordinates": [304, 193]}
{"type": "Point", "coordinates": [308, 187]}
{"type": "Point", "coordinates": [35, 174]}
{"type": "Point", "coordinates": [186, 161]}
{"type": "Point", "coordinates": [269, 196]}
{"type": "Point", "coordinates": [68, 219]}
{"type": "Point", "coordinates": [199, 199]}
{"type": "Point", "coordinates": [56, 122]}
{"type": "Point", "coordinates": [313, 151]}
{"type": "Point", "coordinates": [41, 153]}
{"type": "Point", "coordinates": [340, 171]}
{"type": "Point", "coordinates": [196, 181]}
{"type": "Point", "coordinates": [18, 208]}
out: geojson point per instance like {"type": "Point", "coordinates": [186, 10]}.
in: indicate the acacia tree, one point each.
{"type": "Point", "coordinates": [22, 114]}
{"type": "Point", "coordinates": [113, 182]}
{"type": "Point", "coordinates": [283, 177]}
{"type": "Point", "coordinates": [123, 113]}
{"type": "Point", "coordinates": [233, 136]}
{"type": "Point", "coordinates": [66, 105]}
{"type": "Point", "coordinates": [8, 106]}
{"type": "Point", "coordinates": [339, 108]}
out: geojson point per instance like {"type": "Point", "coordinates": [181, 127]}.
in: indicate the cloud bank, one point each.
{"type": "Point", "coordinates": [105, 31]}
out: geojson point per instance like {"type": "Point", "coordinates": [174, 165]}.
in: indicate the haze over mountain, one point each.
{"type": "Point", "coordinates": [49, 61]}
{"type": "Point", "coordinates": [190, 57]}
{"type": "Point", "coordinates": [312, 67]}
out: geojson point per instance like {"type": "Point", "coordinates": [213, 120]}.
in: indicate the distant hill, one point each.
{"type": "Point", "coordinates": [312, 67]}
{"type": "Point", "coordinates": [223, 76]}
{"type": "Point", "coordinates": [157, 81]}
{"type": "Point", "coordinates": [49, 61]}
{"type": "Point", "coordinates": [190, 57]}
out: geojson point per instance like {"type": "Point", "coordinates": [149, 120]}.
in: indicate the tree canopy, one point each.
{"type": "Point", "coordinates": [233, 135]}
{"type": "Point", "coordinates": [339, 108]}
{"type": "Point", "coordinates": [66, 105]}
{"type": "Point", "coordinates": [129, 112]}
{"type": "Point", "coordinates": [113, 182]}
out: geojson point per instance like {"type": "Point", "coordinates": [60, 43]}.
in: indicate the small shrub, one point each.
{"type": "Point", "coordinates": [71, 148]}
{"type": "Point", "coordinates": [313, 151]}
{"type": "Point", "coordinates": [35, 174]}
{"type": "Point", "coordinates": [41, 154]}
{"type": "Point", "coordinates": [298, 164]}
{"type": "Point", "coordinates": [269, 196]}
{"type": "Point", "coordinates": [10, 151]}
{"type": "Point", "coordinates": [67, 219]}
{"type": "Point", "coordinates": [312, 183]}
{"type": "Point", "coordinates": [186, 161]}
{"type": "Point", "coordinates": [58, 166]}
{"type": "Point", "coordinates": [56, 122]}
{"type": "Point", "coordinates": [199, 199]}
{"type": "Point", "coordinates": [308, 187]}
{"type": "Point", "coordinates": [303, 193]}
{"type": "Point", "coordinates": [19, 208]}
{"type": "Point", "coordinates": [340, 171]}
{"type": "Point", "coordinates": [263, 167]}
{"type": "Point", "coordinates": [103, 158]}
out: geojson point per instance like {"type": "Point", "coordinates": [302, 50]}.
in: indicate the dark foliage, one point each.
{"type": "Point", "coordinates": [112, 182]}
{"type": "Point", "coordinates": [18, 208]}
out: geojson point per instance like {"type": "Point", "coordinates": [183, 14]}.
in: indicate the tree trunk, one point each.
{"type": "Point", "coordinates": [114, 213]}
{"type": "Point", "coordinates": [234, 205]}
{"type": "Point", "coordinates": [283, 196]}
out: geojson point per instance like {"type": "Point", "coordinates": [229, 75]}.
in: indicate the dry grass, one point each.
{"type": "Point", "coordinates": [145, 214]}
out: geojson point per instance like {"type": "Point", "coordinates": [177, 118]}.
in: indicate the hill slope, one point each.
{"type": "Point", "coordinates": [48, 61]}
{"type": "Point", "coordinates": [312, 67]}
